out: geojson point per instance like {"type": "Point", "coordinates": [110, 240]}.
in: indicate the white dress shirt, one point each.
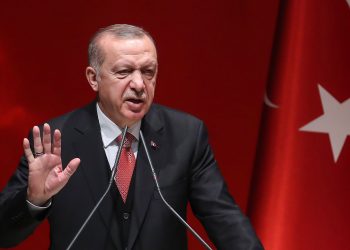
{"type": "Point", "coordinates": [109, 133]}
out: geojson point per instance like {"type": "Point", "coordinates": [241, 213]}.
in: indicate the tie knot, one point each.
{"type": "Point", "coordinates": [129, 138]}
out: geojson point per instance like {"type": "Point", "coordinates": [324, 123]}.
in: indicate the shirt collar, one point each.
{"type": "Point", "coordinates": [110, 131]}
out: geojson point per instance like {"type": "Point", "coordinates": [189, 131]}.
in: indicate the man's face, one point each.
{"type": "Point", "coordinates": [126, 79]}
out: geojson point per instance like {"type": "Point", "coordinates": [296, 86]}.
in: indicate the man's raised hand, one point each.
{"type": "Point", "coordinates": [46, 175]}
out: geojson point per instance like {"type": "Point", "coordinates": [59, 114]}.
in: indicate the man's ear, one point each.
{"type": "Point", "coordinates": [91, 76]}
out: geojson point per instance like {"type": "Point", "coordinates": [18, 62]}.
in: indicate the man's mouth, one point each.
{"type": "Point", "coordinates": [134, 100]}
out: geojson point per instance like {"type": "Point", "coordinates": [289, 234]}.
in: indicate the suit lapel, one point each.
{"type": "Point", "coordinates": [144, 183]}
{"type": "Point", "coordinates": [95, 169]}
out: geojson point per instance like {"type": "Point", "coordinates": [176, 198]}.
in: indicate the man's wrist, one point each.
{"type": "Point", "coordinates": [35, 200]}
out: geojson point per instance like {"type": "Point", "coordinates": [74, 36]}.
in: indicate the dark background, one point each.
{"type": "Point", "coordinates": [214, 58]}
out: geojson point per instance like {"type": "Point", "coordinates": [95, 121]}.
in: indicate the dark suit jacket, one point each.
{"type": "Point", "coordinates": [187, 172]}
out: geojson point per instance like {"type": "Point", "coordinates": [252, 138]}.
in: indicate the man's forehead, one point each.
{"type": "Point", "coordinates": [109, 38]}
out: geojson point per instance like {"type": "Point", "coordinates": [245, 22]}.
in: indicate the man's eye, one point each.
{"type": "Point", "coordinates": [148, 72]}
{"type": "Point", "coordinates": [123, 73]}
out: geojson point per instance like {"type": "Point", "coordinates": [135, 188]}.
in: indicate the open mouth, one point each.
{"type": "Point", "coordinates": [135, 101]}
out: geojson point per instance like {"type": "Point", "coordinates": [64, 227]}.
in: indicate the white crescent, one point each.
{"type": "Point", "coordinates": [269, 103]}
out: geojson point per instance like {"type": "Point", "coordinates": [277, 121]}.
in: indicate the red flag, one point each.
{"type": "Point", "coordinates": [301, 188]}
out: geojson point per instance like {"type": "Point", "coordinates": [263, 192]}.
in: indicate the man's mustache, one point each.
{"type": "Point", "coordinates": [140, 96]}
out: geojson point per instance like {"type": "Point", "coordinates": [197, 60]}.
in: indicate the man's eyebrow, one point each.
{"type": "Point", "coordinates": [152, 63]}
{"type": "Point", "coordinates": [126, 64]}
{"type": "Point", "coordinates": [121, 65]}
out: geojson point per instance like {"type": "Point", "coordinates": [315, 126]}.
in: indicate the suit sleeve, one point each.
{"type": "Point", "coordinates": [16, 221]}
{"type": "Point", "coordinates": [212, 204]}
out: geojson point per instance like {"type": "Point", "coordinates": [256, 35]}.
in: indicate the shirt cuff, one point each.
{"type": "Point", "coordinates": [35, 210]}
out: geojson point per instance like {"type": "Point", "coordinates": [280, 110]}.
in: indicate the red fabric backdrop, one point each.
{"type": "Point", "coordinates": [213, 55]}
{"type": "Point", "coordinates": [301, 194]}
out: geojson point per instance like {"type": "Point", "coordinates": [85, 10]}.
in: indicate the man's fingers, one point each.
{"type": "Point", "coordinates": [27, 151]}
{"type": "Point", "coordinates": [57, 143]}
{"type": "Point", "coordinates": [47, 138]}
{"type": "Point", "coordinates": [38, 147]}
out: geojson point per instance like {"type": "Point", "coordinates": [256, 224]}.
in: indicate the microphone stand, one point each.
{"type": "Point", "coordinates": [111, 180]}
{"type": "Point", "coordinates": [166, 203]}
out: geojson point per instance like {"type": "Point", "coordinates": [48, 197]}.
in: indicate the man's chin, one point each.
{"type": "Point", "coordinates": [132, 117]}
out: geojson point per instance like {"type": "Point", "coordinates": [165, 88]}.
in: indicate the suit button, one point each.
{"type": "Point", "coordinates": [126, 216]}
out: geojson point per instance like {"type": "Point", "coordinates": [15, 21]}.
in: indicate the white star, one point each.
{"type": "Point", "coordinates": [335, 121]}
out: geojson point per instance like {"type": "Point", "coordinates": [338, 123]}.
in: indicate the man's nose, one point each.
{"type": "Point", "coordinates": [137, 82]}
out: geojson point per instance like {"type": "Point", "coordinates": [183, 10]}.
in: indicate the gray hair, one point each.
{"type": "Point", "coordinates": [123, 31]}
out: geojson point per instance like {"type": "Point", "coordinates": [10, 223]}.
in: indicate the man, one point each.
{"type": "Point", "coordinates": [62, 178]}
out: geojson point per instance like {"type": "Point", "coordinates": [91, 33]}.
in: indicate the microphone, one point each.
{"type": "Point", "coordinates": [165, 202]}
{"type": "Point", "coordinates": [111, 180]}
